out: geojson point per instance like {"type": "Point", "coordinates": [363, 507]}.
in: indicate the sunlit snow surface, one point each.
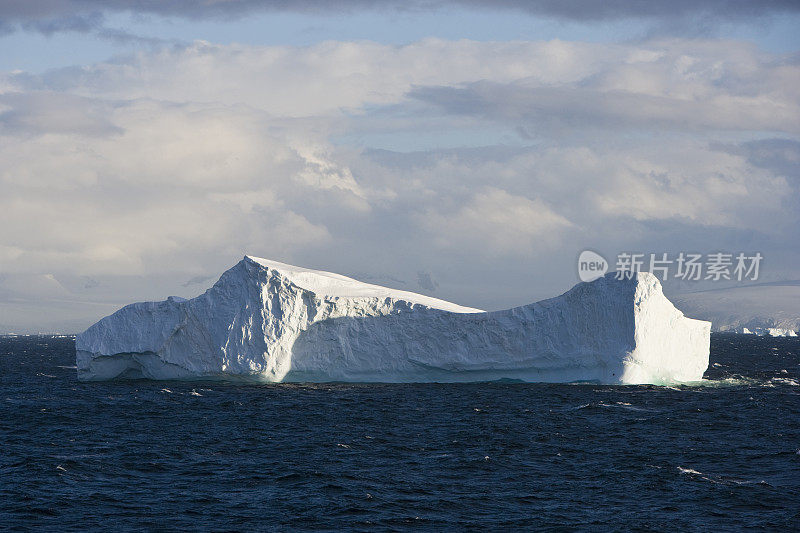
{"type": "Point", "coordinates": [145, 455]}
{"type": "Point", "coordinates": [267, 321]}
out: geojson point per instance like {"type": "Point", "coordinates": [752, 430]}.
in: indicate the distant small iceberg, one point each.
{"type": "Point", "coordinates": [762, 332]}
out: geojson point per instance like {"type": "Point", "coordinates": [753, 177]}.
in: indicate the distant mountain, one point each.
{"type": "Point", "coordinates": [764, 305]}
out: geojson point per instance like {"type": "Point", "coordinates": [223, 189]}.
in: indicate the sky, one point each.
{"type": "Point", "coordinates": [469, 150]}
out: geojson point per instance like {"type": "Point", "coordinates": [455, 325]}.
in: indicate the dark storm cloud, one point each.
{"type": "Point", "coordinates": [84, 15]}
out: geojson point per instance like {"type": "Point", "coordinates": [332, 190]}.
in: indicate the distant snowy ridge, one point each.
{"type": "Point", "coordinates": [762, 309]}
{"type": "Point", "coordinates": [267, 321]}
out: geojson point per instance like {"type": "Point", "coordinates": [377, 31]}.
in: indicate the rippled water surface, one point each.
{"type": "Point", "coordinates": [153, 455]}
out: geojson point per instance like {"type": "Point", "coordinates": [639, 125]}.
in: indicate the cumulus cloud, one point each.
{"type": "Point", "coordinates": [35, 112]}
{"type": "Point", "coordinates": [504, 223]}
{"type": "Point", "coordinates": [170, 178]}
{"type": "Point", "coordinates": [172, 164]}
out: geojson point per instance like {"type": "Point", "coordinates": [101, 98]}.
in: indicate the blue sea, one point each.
{"type": "Point", "coordinates": [724, 455]}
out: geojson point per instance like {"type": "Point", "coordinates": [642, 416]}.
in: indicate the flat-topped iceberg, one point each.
{"type": "Point", "coordinates": [267, 321]}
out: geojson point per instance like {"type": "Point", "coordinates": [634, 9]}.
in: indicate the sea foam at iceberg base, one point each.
{"type": "Point", "coordinates": [267, 321]}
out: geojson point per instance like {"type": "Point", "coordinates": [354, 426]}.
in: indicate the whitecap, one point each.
{"type": "Point", "coordinates": [786, 381]}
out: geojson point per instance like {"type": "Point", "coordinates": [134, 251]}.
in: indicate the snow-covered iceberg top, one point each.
{"type": "Point", "coordinates": [268, 321]}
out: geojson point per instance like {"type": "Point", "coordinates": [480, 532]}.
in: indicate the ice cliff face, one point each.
{"type": "Point", "coordinates": [266, 321]}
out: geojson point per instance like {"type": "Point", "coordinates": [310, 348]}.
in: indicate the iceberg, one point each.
{"type": "Point", "coordinates": [266, 321]}
{"type": "Point", "coordinates": [763, 332]}
{"type": "Point", "coordinates": [780, 332]}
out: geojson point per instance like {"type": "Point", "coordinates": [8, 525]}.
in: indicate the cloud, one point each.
{"type": "Point", "coordinates": [588, 10]}
{"type": "Point", "coordinates": [321, 79]}
{"type": "Point", "coordinates": [165, 181]}
{"type": "Point", "coordinates": [36, 112]}
{"type": "Point", "coordinates": [86, 15]}
{"type": "Point", "coordinates": [573, 108]}
{"type": "Point", "coordinates": [169, 165]}
{"type": "Point", "coordinates": [780, 156]}
{"type": "Point", "coordinates": [556, 85]}
{"type": "Point", "coordinates": [503, 223]}
{"type": "Point", "coordinates": [674, 85]}
{"type": "Point", "coordinates": [64, 22]}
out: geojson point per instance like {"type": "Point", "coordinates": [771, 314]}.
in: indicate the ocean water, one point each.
{"type": "Point", "coordinates": [499, 456]}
